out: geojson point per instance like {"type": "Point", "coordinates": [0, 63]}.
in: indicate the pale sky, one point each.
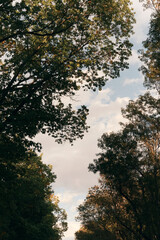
{"type": "Point", "coordinates": [70, 163]}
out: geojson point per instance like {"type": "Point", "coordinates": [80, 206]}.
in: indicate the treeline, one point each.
{"type": "Point", "coordinates": [126, 203]}
{"type": "Point", "coordinates": [29, 208]}
{"type": "Point", "coordinates": [49, 50]}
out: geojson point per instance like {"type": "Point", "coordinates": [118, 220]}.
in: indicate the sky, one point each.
{"type": "Point", "coordinates": [70, 163]}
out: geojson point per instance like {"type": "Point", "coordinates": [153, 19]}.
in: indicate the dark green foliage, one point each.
{"type": "Point", "coordinates": [94, 217]}
{"type": "Point", "coordinates": [130, 163]}
{"type": "Point", "coordinates": [97, 234]}
{"type": "Point", "coordinates": [50, 49]}
{"type": "Point", "coordinates": [151, 55]}
{"type": "Point", "coordinates": [127, 201]}
{"type": "Point", "coordinates": [27, 210]}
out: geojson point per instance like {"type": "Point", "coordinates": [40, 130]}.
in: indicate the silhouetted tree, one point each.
{"type": "Point", "coordinates": [130, 163]}
{"type": "Point", "coordinates": [49, 50]}
{"type": "Point", "coordinates": [29, 209]}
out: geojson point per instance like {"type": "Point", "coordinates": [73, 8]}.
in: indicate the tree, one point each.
{"type": "Point", "coordinates": [29, 208]}
{"type": "Point", "coordinates": [97, 234]}
{"type": "Point", "coordinates": [130, 163]}
{"type": "Point", "coordinates": [154, 4]}
{"type": "Point", "coordinates": [150, 55]}
{"type": "Point", "coordinates": [96, 224]}
{"type": "Point", "coordinates": [50, 49]}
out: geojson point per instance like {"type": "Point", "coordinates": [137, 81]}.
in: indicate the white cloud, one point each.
{"type": "Point", "coordinates": [134, 60]}
{"type": "Point", "coordinates": [88, 97]}
{"type": "Point", "coordinates": [72, 228]}
{"type": "Point", "coordinates": [67, 197]}
{"type": "Point", "coordinates": [142, 19]}
{"type": "Point", "coordinates": [129, 81]}
{"type": "Point", "coordinates": [70, 163]}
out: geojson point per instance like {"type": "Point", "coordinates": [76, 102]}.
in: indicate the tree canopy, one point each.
{"type": "Point", "coordinates": [94, 217]}
{"type": "Point", "coordinates": [130, 163]}
{"type": "Point", "coordinates": [50, 49]}
{"type": "Point", "coordinates": [127, 201]}
{"type": "Point", "coordinates": [154, 4]}
{"type": "Point", "coordinates": [29, 208]}
{"type": "Point", "coordinates": [150, 55]}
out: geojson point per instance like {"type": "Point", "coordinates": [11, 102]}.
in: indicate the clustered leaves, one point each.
{"type": "Point", "coordinates": [126, 204]}
{"type": "Point", "coordinates": [93, 217]}
{"type": "Point", "coordinates": [151, 54]}
{"type": "Point", "coordinates": [49, 49]}
{"type": "Point", "coordinates": [27, 209]}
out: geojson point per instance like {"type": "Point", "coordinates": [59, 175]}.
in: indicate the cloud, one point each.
{"type": "Point", "coordinates": [70, 163]}
{"type": "Point", "coordinates": [72, 228]}
{"type": "Point", "coordinates": [134, 59]}
{"type": "Point", "coordinates": [142, 19]}
{"type": "Point", "coordinates": [129, 81]}
{"type": "Point", "coordinates": [67, 197]}
{"type": "Point", "coordinates": [88, 97]}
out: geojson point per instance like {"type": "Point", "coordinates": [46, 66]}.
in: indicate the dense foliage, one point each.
{"type": "Point", "coordinates": [29, 209]}
{"type": "Point", "coordinates": [94, 217]}
{"type": "Point", "coordinates": [127, 202]}
{"type": "Point", "coordinates": [49, 49]}
{"type": "Point", "coordinates": [151, 54]}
